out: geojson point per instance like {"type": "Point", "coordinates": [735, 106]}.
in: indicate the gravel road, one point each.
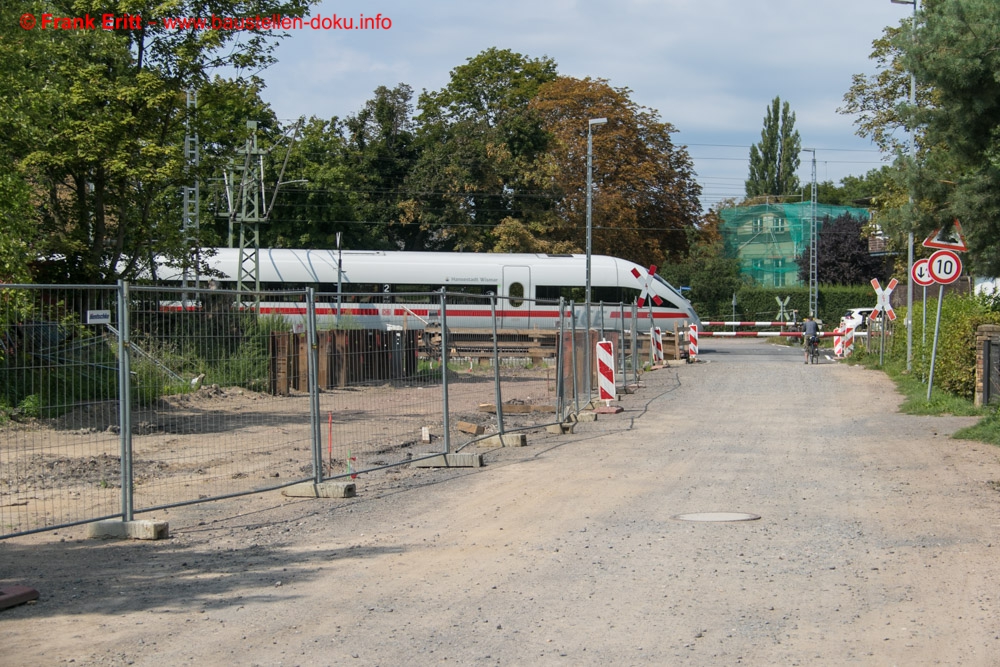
{"type": "Point", "coordinates": [876, 544]}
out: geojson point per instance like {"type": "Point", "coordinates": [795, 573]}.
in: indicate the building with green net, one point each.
{"type": "Point", "coordinates": [770, 239]}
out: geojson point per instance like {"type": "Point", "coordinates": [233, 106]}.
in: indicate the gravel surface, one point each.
{"type": "Point", "coordinates": [876, 544]}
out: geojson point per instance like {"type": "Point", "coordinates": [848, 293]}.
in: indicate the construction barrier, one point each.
{"type": "Point", "coordinates": [605, 371]}
{"type": "Point", "coordinates": [693, 342]}
{"type": "Point", "coordinates": [848, 341]}
{"type": "Point", "coordinates": [657, 337]}
{"type": "Point", "coordinates": [838, 345]}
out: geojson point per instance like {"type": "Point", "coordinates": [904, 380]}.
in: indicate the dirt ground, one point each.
{"type": "Point", "coordinates": [876, 544]}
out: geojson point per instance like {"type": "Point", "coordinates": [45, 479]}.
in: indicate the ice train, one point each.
{"type": "Point", "coordinates": [380, 287]}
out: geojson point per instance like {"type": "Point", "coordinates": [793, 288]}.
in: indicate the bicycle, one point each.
{"type": "Point", "coordinates": [813, 344]}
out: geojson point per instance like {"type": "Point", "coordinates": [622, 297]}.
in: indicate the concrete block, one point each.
{"type": "Point", "coordinates": [330, 489]}
{"type": "Point", "coordinates": [506, 440]}
{"type": "Point", "coordinates": [460, 460]}
{"type": "Point", "coordinates": [133, 530]}
{"type": "Point", "coordinates": [586, 417]}
{"type": "Point", "coordinates": [608, 410]}
{"type": "Point", "coordinates": [560, 429]}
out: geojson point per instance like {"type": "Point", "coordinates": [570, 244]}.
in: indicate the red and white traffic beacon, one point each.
{"type": "Point", "coordinates": [606, 378]}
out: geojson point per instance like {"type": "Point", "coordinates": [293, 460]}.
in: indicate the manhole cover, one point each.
{"type": "Point", "coordinates": [717, 516]}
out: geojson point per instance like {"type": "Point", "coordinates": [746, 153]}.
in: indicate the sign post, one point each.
{"type": "Point", "coordinates": [921, 275]}
{"type": "Point", "coordinates": [884, 309]}
{"type": "Point", "coordinates": [945, 267]}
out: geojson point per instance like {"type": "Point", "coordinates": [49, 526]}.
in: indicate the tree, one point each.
{"type": "Point", "coordinates": [309, 215]}
{"type": "Point", "coordinates": [842, 256]}
{"type": "Point", "coordinates": [710, 269]}
{"type": "Point", "coordinates": [954, 48]}
{"type": "Point", "coordinates": [775, 159]}
{"type": "Point", "coordinates": [868, 190]}
{"type": "Point", "coordinates": [16, 229]}
{"type": "Point", "coordinates": [381, 153]}
{"type": "Point", "coordinates": [479, 144]}
{"type": "Point", "coordinates": [645, 197]}
{"type": "Point", "coordinates": [94, 121]}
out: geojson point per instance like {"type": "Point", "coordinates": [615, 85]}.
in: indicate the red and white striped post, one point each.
{"type": "Point", "coordinates": [657, 337]}
{"type": "Point", "coordinates": [848, 341]}
{"type": "Point", "coordinates": [838, 344]}
{"type": "Point", "coordinates": [693, 342]}
{"type": "Point", "coordinates": [606, 372]}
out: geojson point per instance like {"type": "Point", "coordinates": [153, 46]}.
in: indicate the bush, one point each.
{"type": "Point", "coordinates": [955, 365]}
{"type": "Point", "coordinates": [758, 303]}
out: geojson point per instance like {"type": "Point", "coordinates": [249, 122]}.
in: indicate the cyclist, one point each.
{"type": "Point", "coordinates": [810, 329]}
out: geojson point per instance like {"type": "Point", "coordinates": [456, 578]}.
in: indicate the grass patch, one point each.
{"type": "Point", "coordinates": [987, 430]}
{"type": "Point", "coordinates": [914, 391]}
{"type": "Point", "coordinates": [941, 402]}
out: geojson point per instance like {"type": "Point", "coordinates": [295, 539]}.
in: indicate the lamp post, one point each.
{"type": "Point", "coordinates": [909, 239]}
{"type": "Point", "coordinates": [590, 158]}
{"type": "Point", "coordinates": [340, 279]}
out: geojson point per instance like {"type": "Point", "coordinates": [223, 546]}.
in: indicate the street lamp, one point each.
{"type": "Point", "coordinates": [909, 239]}
{"type": "Point", "coordinates": [590, 157]}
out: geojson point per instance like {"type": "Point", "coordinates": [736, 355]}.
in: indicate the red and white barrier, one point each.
{"type": "Point", "coordinates": [838, 344]}
{"type": "Point", "coordinates": [693, 342]}
{"type": "Point", "coordinates": [657, 338]}
{"type": "Point", "coordinates": [606, 371]}
{"type": "Point", "coordinates": [747, 324]}
{"type": "Point", "coordinates": [848, 341]}
{"type": "Point", "coordinates": [762, 334]}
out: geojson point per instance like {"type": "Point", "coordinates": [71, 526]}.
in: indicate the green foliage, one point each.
{"type": "Point", "coordinates": [94, 121]}
{"type": "Point", "coordinates": [758, 303]}
{"type": "Point", "coordinates": [955, 365]}
{"type": "Point", "coordinates": [987, 430]}
{"type": "Point", "coordinates": [478, 148]}
{"type": "Point", "coordinates": [775, 159]}
{"type": "Point", "coordinates": [953, 49]}
{"type": "Point", "coordinates": [712, 276]}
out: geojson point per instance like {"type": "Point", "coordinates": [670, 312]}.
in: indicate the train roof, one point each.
{"type": "Point", "coordinates": [374, 266]}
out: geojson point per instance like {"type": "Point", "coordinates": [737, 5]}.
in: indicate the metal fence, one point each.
{"type": "Point", "coordinates": [117, 400]}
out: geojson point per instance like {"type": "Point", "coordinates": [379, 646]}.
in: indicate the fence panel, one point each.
{"type": "Point", "coordinates": [380, 390]}
{"type": "Point", "coordinates": [205, 422]}
{"type": "Point", "coordinates": [60, 446]}
{"type": "Point", "coordinates": [228, 396]}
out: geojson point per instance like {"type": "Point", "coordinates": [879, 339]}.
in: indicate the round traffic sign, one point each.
{"type": "Point", "coordinates": [921, 274]}
{"type": "Point", "coordinates": [944, 266]}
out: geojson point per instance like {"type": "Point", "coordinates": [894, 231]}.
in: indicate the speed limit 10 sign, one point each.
{"type": "Point", "coordinates": [944, 266]}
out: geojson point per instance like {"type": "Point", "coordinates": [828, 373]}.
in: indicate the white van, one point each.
{"type": "Point", "coordinates": [857, 318]}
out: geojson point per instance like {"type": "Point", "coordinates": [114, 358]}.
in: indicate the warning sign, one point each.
{"type": "Point", "coordinates": [949, 237]}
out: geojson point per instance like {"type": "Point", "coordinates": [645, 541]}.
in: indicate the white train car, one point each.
{"type": "Point", "coordinates": [378, 287]}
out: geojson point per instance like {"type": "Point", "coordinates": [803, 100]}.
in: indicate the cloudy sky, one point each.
{"type": "Point", "coordinates": [709, 67]}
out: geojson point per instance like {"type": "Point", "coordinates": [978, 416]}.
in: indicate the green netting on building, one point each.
{"type": "Point", "coordinates": [769, 239]}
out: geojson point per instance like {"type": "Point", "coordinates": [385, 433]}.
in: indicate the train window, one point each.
{"type": "Point", "coordinates": [414, 293]}
{"type": "Point", "coordinates": [516, 294]}
{"type": "Point", "coordinates": [551, 294]}
{"type": "Point", "coordinates": [469, 294]}
{"type": "Point", "coordinates": [600, 294]}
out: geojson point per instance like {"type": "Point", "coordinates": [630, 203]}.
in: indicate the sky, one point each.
{"type": "Point", "coordinates": [709, 67]}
